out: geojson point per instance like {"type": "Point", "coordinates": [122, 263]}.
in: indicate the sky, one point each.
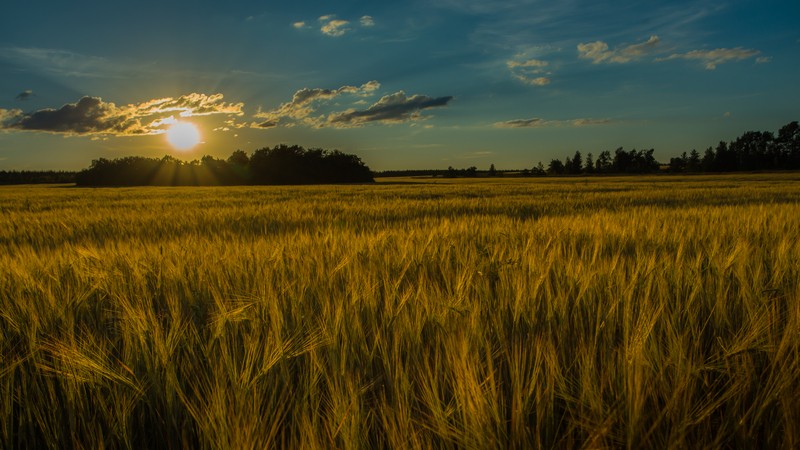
{"type": "Point", "coordinates": [411, 84]}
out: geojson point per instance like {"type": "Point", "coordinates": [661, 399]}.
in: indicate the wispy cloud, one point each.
{"type": "Point", "coordinates": [393, 108]}
{"type": "Point", "coordinates": [367, 21]}
{"type": "Point", "coordinates": [712, 58]}
{"type": "Point", "coordinates": [190, 105]}
{"type": "Point", "coordinates": [521, 123]}
{"type": "Point", "coordinates": [599, 52]}
{"type": "Point", "coordinates": [476, 155]}
{"type": "Point", "coordinates": [93, 116]}
{"type": "Point", "coordinates": [63, 63]}
{"type": "Point", "coordinates": [530, 71]}
{"type": "Point", "coordinates": [303, 104]}
{"type": "Point", "coordinates": [332, 26]}
{"type": "Point", "coordinates": [542, 123]}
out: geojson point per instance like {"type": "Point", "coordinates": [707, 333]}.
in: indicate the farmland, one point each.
{"type": "Point", "coordinates": [489, 313]}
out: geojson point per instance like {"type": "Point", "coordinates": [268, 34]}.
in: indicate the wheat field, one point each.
{"type": "Point", "coordinates": [646, 312]}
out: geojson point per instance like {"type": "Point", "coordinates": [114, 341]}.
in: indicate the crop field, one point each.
{"type": "Point", "coordinates": [635, 312]}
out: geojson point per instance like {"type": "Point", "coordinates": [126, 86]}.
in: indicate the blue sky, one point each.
{"type": "Point", "coordinates": [412, 84]}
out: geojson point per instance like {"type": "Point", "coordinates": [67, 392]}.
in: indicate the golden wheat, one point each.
{"type": "Point", "coordinates": [610, 312]}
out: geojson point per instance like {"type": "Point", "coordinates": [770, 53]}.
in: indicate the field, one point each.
{"type": "Point", "coordinates": [574, 313]}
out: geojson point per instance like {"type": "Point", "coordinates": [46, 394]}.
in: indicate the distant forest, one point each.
{"type": "Point", "coordinates": [36, 177]}
{"type": "Point", "coordinates": [752, 151]}
{"type": "Point", "coordinates": [281, 164]}
{"type": "Point", "coordinates": [284, 164]}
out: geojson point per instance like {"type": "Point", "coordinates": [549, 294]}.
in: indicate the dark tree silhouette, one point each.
{"type": "Point", "coordinates": [693, 164]}
{"type": "Point", "coordinates": [556, 167]}
{"type": "Point", "coordinates": [279, 165]}
{"type": "Point", "coordinates": [36, 177]}
{"type": "Point", "coordinates": [574, 165]}
{"type": "Point", "coordinates": [603, 164]}
{"type": "Point", "coordinates": [753, 150]}
{"type": "Point", "coordinates": [589, 165]}
{"type": "Point", "coordinates": [539, 171]}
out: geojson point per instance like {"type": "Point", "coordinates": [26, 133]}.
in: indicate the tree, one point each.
{"type": "Point", "coordinates": [279, 165]}
{"type": "Point", "coordinates": [492, 171]}
{"type": "Point", "coordinates": [725, 160]}
{"type": "Point", "coordinates": [577, 163]}
{"type": "Point", "coordinates": [603, 164]}
{"type": "Point", "coordinates": [693, 164]}
{"type": "Point", "coordinates": [622, 161]}
{"type": "Point", "coordinates": [239, 158]}
{"type": "Point", "coordinates": [788, 144]}
{"type": "Point", "coordinates": [678, 164]}
{"type": "Point", "coordinates": [709, 160]}
{"type": "Point", "coordinates": [556, 167]}
{"type": "Point", "coordinates": [589, 165]}
{"type": "Point", "coordinates": [538, 171]}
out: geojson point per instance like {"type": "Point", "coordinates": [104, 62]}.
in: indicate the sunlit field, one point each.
{"type": "Point", "coordinates": [511, 313]}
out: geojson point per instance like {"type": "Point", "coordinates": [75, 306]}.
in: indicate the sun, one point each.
{"type": "Point", "coordinates": [183, 135]}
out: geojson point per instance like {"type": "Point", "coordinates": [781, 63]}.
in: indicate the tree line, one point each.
{"type": "Point", "coordinates": [752, 151]}
{"type": "Point", "coordinates": [282, 164]}
{"type": "Point", "coordinates": [36, 177]}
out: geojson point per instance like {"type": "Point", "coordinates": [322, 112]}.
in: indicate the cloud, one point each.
{"type": "Point", "coordinates": [599, 51]}
{"type": "Point", "coordinates": [303, 104]}
{"type": "Point", "coordinates": [93, 116]}
{"type": "Point", "coordinates": [541, 123]}
{"type": "Point", "coordinates": [332, 26]}
{"type": "Point", "coordinates": [538, 81]}
{"type": "Point", "coordinates": [367, 21]}
{"type": "Point", "coordinates": [521, 123]}
{"type": "Point", "coordinates": [190, 105]}
{"type": "Point", "coordinates": [24, 95]}
{"type": "Point", "coordinates": [63, 63]}
{"type": "Point", "coordinates": [590, 122]}
{"type": "Point", "coordinates": [476, 154]}
{"type": "Point", "coordinates": [530, 71]}
{"type": "Point", "coordinates": [763, 59]}
{"type": "Point", "coordinates": [535, 63]}
{"type": "Point", "coordinates": [90, 115]}
{"type": "Point", "coordinates": [712, 58]}
{"type": "Point", "coordinates": [394, 108]}
{"type": "Point", "coordinates": [299, 25]}
{"type": "Point", "coordinates": [8, 117]}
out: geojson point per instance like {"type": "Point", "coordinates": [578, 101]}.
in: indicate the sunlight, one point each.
{"type": "Point", "coordinates": [183, 135]}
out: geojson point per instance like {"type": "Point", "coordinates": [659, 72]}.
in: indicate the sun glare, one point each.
{"type": "Point", "coordinates": [183, 135]}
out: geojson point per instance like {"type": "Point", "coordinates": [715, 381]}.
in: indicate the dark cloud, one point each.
{"type": "Point", "coordinates": [268, 124]}
{"type": "Point", "coordinates": [302, 104]}
{"type": "Point", "coordinates": [90, 115]}
{"type": "Point", "coordinates": [24, 95]}
{"type": "Point", "coordinates": [541, 123]}
{"type": "Point", "coordinates": [521, 123]}
{"type": "Point", "coordinates": [392, 108]}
